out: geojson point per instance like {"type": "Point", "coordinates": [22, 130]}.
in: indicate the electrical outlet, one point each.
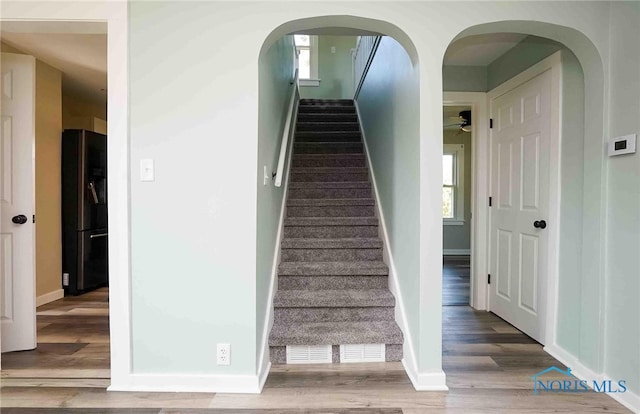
{"type": "Point", "coordinates": [65, 279]}
{"type": "Point", "coordinates": [223, 355]}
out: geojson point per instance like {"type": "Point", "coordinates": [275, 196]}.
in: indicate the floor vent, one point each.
{"type": "Point", "coordinates": [362, 353]}
{"type": "Point", "coordinates": [309, 354]}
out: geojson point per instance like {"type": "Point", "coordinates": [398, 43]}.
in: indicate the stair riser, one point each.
{"type": "Point", "coordinates": [288, 315]}
{"type": "Point", "coordinates": [329, 177]}
{"type": "Point", "coordinates": [332, 282]}
{"type": "Point", "coordinates": [329, 193]}
{"type": "Point", "coordinates": [330, 255]}
{"type": "Point", "coordinates": [317, 148]}
{"type": "Point", "coordinates": [327, 109]}
{"type": "Point", "coordinates": [327, 126]}
{"type": "Point", "coordinates": [299, 162]}
{"type": "Point", "coordinates": [331, 211]}
{"type": "Point", "coordinates": [321, 116]}
{"type": "Point", "coordinates": [330, 138]}
{"type": "Point", "coordinates": [329, 232]}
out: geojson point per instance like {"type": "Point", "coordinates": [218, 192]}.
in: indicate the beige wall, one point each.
{"type": "Point", "coordinates": [78, 113]}
{"type": "Point", "coordinates": [48, 156]}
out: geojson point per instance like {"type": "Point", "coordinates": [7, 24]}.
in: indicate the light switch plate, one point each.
{"type": "Point", "coordinates": [622, 145]}
{"type": "Point", "coordinates": [146, 170]}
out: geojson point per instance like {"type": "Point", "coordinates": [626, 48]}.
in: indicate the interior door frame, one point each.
{"type": "Point", "coordinates": [478, 291]}
{"type": "Point", "coordinates": [115, 14]}
{"type": "Point", "coordinates": [552, 63]}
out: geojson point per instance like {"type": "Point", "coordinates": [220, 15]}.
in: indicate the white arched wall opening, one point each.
{"type": "Point", "coordinates": [583, 268]}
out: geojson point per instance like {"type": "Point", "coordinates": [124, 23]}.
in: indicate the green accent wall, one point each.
{"type": "Point", "coordinates": [464, 78]}
{"type": "Point", "coordinates": [334, 69]}
{"type": "Point", "coordinates": [388, 103]}
{"type": "Point", "coordinates": [276, 71]}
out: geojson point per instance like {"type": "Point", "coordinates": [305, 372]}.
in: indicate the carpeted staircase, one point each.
{"type": "Point", "coordinates": [332, 282]}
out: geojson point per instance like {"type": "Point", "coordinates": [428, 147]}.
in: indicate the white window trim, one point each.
{"type": "Point", "coordinates": [458, 178]}
{"type": "Point", "coordinates": [313, 79]}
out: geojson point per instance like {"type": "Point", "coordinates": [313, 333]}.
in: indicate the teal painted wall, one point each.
{"type": "Point", "coordinates": [276, 70]}
{"type": "Point", "coordinates": [464, 78]}
{"type": "Point", "coordinates": [459, 237]}
{"type": "Point", "coordinates": [622, 349]}
{"type": "Point", "coordinates": [334, 69]}
{"type": "Point", "coordinates": [388, 104]}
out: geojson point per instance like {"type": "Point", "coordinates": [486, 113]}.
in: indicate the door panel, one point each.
{"type": "Point", "coordinates": [520, 181]}
{"type": "Point", "coordinates": [17, 272]}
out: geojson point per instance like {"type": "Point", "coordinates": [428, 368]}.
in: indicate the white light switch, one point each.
{"type": "Point", "coordinates": [266, 177]}
{"type": "Point", "coordinates": [146, 170]}
{"type": "Point", "coordinates": [333, 49]}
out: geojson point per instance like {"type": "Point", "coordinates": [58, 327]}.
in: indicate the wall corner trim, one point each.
{"type": "Point", "coordinates": [579, 370]}
{"type": "Point", "coordinates": [49, 297]}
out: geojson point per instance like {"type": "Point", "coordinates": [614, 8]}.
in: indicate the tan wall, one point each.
{"type": "Point", "coordinates": [78, 113]}
{"type": "Point", "coordinates": [48, 166]}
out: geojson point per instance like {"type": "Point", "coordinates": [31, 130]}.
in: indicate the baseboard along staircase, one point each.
{"type": "Point", "coordinates": [332, 282]}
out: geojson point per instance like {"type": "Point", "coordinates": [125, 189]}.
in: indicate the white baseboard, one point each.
{"type": "Point", "coordinates": [421, 382]}
{"type": "Point", "coordinates": [239, 384]}
{"type": "Point", "coordinates": [579, 370]}
{"type": "Point", "coordinates": [49, 297]}
{"type": "Point", "coordinates": [456, 252]}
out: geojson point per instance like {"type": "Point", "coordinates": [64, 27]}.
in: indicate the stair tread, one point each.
{"type": "Point", "coordinates": [345, 243]}
{"type": "Point", "coordinates": [326, 170]}
{"type": "Point", "coordinates": [335, 333]}
{"type": "Point", "coordinates": [329, 184]}
{"type": "Point", "coordinates": [331, 221]}
{"type": "Point", "coordinates": [361, 268]}
{"type": "Point", "coordinates": [325, 298]}
{"type": "Point", "coordinates": [329, 202]}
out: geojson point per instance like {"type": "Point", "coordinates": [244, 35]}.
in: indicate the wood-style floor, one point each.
{"type": "Point", "coordinates": [489, 365]}
{"type": "Point", "coordinates": [455, 280]}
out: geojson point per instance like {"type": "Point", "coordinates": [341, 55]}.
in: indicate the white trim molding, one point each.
{"type": "Point", "coordinates": [49, 297]}
{"type": "Point", "coordinates": [479, 251]}
{"type": "Point", "coordinates": [435, 381]}
{"type": "Point", "coordinates": [245, 384]}
{"type": "Point", "coordinates": [580, 371]}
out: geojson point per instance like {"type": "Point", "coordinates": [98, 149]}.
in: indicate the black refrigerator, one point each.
{"type": "Point", "coordinates": [85, 263]}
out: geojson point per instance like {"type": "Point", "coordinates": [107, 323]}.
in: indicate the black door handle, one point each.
{"type": "Point", "coordinates": [19, 219]}
{"type": "Point", "coordinates": [540, 224]}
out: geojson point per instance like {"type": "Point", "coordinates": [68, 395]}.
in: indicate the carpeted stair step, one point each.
{"type": "Point", "coordinates": [337, 314]}
{"type": "Point", "coordinates": [315, 282]}
{"type": "Point", "coordinates": [328, 148]}
{"type": "Point", "coordinates": [335, 333]}
{"type": "Point", "coordinates": [344, 298]}
{"type": "Point", "coordinates": [332, 160]}
{"type": "Point", "coordinates": [329, 190]}
{"type": "Point", "coordinates": [339, 136]}
{"type": "Point", "coordinates": [333, 109]}
{"type": "Point", "coordinates": [330, 227]}
{"type": "Point", "coordinates": [329, 174]}
{"type": "Point", "coordinates": [327, 126]}
{"type": "Point", "coordinates": [339, 207]}
{"type": "Point", "coordinates": [322, 116]}
{"type": "Point", "coordinates": [333, 269]}
{"type": "Point", "coordinates": [331, 250]}
{"type": "Point", "coordinates": [331, 102]}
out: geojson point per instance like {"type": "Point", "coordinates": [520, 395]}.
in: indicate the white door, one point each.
{"type": "Point", "coordinates": [17, 141]}
{"type": "Point", "coordinates": [520, 153]}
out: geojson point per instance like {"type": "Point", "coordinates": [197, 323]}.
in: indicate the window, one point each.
{"type": "Point", "coordinates": [307, 51]}
{"type": "Point", "coordinates": [452, 184]}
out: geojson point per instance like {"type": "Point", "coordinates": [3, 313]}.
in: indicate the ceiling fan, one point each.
{"type": "Point", "coordinates": [463, 121]}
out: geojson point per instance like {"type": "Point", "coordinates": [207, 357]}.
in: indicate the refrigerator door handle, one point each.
{"type": "Point", "coordinates": [95, 236]}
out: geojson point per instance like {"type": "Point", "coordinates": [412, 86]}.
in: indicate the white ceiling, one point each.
{"type": "Point", "coordinates": [480, 50]}
{"type": "Point", "coordinates": [77, 49]}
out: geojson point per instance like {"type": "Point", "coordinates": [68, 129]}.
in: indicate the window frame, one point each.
{"type": "Point", "coordinates": [457, 150]}
{"type": "Point", "coordinates": [313, 79]}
